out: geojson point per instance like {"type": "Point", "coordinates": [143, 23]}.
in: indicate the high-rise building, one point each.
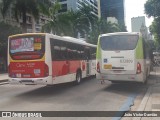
{"type": "Point", "coordinates": [137, 22]}
{"type": "Point", "coordinates": [139, 25]}
{"type": "Point", "coordinates": [113, 8]}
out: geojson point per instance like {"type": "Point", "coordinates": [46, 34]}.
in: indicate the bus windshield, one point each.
{"type": "Point", "coordinates": [27, 47]}
{"type": "Point", "coordinates": [119, 42]}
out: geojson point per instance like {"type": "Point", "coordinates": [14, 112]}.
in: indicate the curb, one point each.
{"type": "Point", "coordinates": [5, 81]}
{"type": "Point", "coordinates": [143, 104]}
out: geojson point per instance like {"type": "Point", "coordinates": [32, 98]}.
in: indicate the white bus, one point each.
{"type": "Point", "coordinates": [123, 56]}
{"type": "Point", "coordinates": [42, 58]}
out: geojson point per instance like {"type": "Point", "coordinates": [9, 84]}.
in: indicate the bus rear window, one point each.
{"type": "Point", "coordinates": [27, 47]}
{"type": "Point", "coordinates": [119, 42]}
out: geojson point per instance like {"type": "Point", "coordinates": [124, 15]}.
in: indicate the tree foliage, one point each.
{"type": "Point", "coordinates": [155, 29]}
{"type": "Point", "coordinates": [69, 23]}
{"type": "Point", "coordinates": [101, 26]}
{"type": "Point", "coordinates": [5, 31]}
{"type": "Point", "coordinates": [152, 9]}
{"type": "Point", "coordinates": [82, 21]}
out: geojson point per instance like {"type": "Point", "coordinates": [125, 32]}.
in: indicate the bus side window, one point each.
{"type": "Point", "coordinates": [58, 50]}
{"type": "Point", "coordinates": [70, 51]}
{"type": "Point", "coordinates": [81, 52]}
{"type": "Point", "coordinates": [74, 51]}
{"type": "Point", "coordinates": [52, 48]}
{"type": "Point", "coordinates": [87, 53]}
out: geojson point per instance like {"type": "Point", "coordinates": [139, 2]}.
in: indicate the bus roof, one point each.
{"type": "Point", "coordinates": [119, 33]}
{"type": "Point", "coordinates": [65, 38]}
{"type": "Point", "coordinates": [23, 34]}
{"type": "Point", "coordinates": [72, 40]}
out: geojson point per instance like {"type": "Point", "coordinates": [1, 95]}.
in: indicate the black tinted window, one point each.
{"type": "Point", "coordinates": [119, 42]}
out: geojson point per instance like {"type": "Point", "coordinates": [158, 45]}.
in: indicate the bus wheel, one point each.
{"type": "Point", "coordinates": [146, 79]}
{"type": "Point", "coordinates": [145, 82]}
{"type": "Point", "coordinates": [78, 77]}
{"type": "Point", "coordinates": [158, 63]}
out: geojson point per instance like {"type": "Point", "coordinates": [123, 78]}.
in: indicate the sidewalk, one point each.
{"type": "Point", "coordinates": [151, 100]}
{"type": "Point", "coordinates": [4, 77]}
{"type": "Point", "coordinates": [152, 97]}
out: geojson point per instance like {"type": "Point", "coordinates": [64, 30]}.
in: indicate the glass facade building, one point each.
{"type": "Point", "coordinates": [76, 5]}
{"type": "Point", "coordinates": [113, 8]}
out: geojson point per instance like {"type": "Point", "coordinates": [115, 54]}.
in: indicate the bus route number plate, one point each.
{"type": "Point", "coordinates": [108, 66]}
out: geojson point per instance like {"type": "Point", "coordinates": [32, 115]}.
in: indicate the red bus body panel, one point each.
{"type": "Point", "coordinates": [60, 68]}
{"type": "Point", "coordinates": [27, 69]}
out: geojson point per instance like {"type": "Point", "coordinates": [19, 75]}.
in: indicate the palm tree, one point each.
{"type": "Point", "coordinates": [77, 23]}
{"type": "Point", "coordinates": [70, 23]}
{"type": "Point", "coordinates": [101, 26]}
{"type": "Point", "coordinates": [52, 26]}
{"type": "Point", "coordinates": [85, 11]}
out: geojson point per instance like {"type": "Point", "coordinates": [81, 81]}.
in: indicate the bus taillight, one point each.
{"type": "Point", "coordinates": [139, 70]}
{"type": "Point", "coordinates": [46, 70]}
{"type": "Point", "coordinates": [98, 67]}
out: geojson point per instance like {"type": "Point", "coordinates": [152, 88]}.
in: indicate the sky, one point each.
{"type": "Point", "coordinates": [135, 8]}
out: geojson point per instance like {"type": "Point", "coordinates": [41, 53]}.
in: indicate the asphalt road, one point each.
{"type": "Point", "coordinates": [90, 95]}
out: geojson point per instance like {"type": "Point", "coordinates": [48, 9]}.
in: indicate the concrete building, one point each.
{"type": "Point", "coordinates": [139, 25]}
{"type": "Point", "coordinates": [112, 20]}
{"type": "Point", "coordinates": [113, 8]}
{"type": "Point", "coordinates": [137, 22]}
{"type": "Point", "coordinates": [32, 24]}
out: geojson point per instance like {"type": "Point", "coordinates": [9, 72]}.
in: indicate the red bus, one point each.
{"type": "Point", "coordinates": [47, 59]}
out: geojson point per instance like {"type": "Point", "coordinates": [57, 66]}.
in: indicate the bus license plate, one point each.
{"type": "Point", "coordinates": [37, 71]}
{"type": "Point", "coordinates": [107, 66]}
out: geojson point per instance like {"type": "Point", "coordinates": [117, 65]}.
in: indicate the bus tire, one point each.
{"type": "Point", "coordinates": [146, 79]}
{"type": "Point", "coordinates": [145, 82]}
{"type": "Point", "coordinates": [158, 63]}
{"type": "Point", "coordinates": [115, 82]}
{"type": "Point", "coordinates": [78, 78]}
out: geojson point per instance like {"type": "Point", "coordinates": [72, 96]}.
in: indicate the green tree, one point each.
{"type": "Point", "coordinates": [101, 26]}
{"type": "Point", "coordinates": [155, 29]}
{"type": "Point", "coordinates": [152, 9]}
{"type": "Point", "coordinates": [86, 13]}
{"type": "Point", "coordinates": [122, 27]}
{"type": "Point", "coordinates": [5, 31]}
{"type": "Point", "coordinates": [52, 26]}
{"type": "Point", "coordinates": [69, 23]}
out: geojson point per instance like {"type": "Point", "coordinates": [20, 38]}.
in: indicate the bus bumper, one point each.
{"type": "Point", "coordinates": [119, 77]}
{"type": "Point", "coordinates": [32, 81]}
